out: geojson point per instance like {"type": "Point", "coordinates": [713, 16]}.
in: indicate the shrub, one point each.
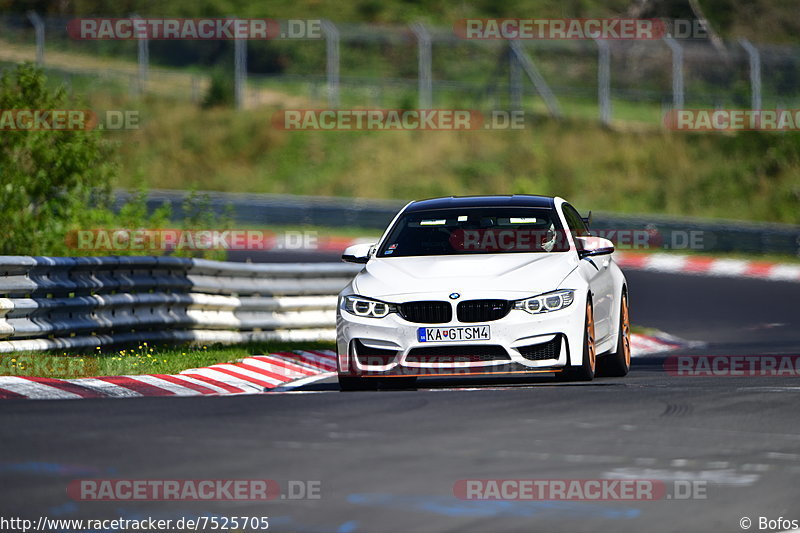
{"type": "Point", "coordinates": [46, 177]}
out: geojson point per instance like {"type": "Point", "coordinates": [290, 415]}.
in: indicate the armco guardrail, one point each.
{"type": "Point", "coordinates": [673, 232]}
{"type": "Point", "coordinates": [284, 209]}
{"type": "Point", "coordinates": [58, 302]}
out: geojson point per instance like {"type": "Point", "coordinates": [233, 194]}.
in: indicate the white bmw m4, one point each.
{"type": "Point", "coordinates": [483, 285]}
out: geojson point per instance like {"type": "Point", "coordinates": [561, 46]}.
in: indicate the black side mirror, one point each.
{"type": "Point", "coordinates": [357, 253]}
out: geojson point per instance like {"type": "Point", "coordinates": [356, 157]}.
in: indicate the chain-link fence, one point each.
{"type": "Point", "coordinates": [356, 65]}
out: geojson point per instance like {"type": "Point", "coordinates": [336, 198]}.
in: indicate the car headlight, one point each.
{"type": "Point", "coordinates": [544, 303]}
{"type": "Point", "coordinates": [367, 307]}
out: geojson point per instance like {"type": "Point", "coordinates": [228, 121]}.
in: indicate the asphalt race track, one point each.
{"type": "Point", "coordinates": [388, 460]}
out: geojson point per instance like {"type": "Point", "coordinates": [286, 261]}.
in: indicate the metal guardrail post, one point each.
{"type": "Point", "coordinates": [38, 27]}
{"type": "Point", "coordinates": [538, 81]}
{"type": "Point", "coordinates": [424, 52]}
{"type": "Point", "coordinates": [240, 70]}
{"type": "Point", "coordinates": [143, 56]}
{"type": "Point", "coordinates": [755, 73]}
{"type": "Point", "coordinates": [604, 80]}
{"type": "Point", "coordinates": [332, 62]}
{"type": "Point", "coordinates": [677, 72]}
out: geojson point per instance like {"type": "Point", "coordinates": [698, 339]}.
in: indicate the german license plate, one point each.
{"type": "Point", "coordinates": [454, 334]}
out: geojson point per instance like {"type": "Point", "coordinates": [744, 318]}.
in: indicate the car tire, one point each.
{"type": "Point", "coordinates": [350, 383]}
{"type": "Point", "coordinates": [586, 371]}
{"type": "Point", "coordinates": [618, 363]}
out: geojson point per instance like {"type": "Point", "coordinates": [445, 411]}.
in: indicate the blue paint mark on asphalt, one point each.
{"type": "Point", "coordinates": [66, 509]}
{"type": "Point", "coordinates": [450, 506]}
{"type": "Point", "coordinates": [348, 527]}
{"type": "Point", "coordinates": [58, 469]}
{"type": "Point", "coordinates": [287, 522]}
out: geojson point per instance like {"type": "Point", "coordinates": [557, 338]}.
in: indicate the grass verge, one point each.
{"type": "Point", "coordinates": [142, 359]}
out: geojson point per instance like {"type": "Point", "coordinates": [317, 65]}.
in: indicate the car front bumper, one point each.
{"type": "Point", "coordinates": [520, 343]}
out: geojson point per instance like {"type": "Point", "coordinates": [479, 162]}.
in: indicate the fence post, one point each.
{"type": "Point", "coordinates": [755, 73]}
{"type": "Point", "coordinates": [514, 80]}
{"type": "Point", "coordinates": [677, 72]}
{"type": "Point", "coordinates": [536, 78]}
{"type": "Point", "coordinates": [239, 70]}
{"type": "Point", "coordinates": [195, 89]}
{"type": "Point", "coordinates": [143, 57]}
{"type": "Point", "coordinates": [424, 53]}
{"type": "Point", "coordinates": [38, 28]}
{"type": "Point", "coordinates": [604, 80]}
{"type": "Point", "coordinates": [332, 62]}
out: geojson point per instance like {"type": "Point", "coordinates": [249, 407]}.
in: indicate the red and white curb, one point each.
{"type": "Point", "coordinates": [657, 343]}
{"type": "Point", "coordinates": [710, 266]}
{"type": "Point", "coordinates": [251, 375]}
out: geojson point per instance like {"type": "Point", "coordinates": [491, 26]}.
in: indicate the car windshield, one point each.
{"type": "Point", "coordinates": [483, 230]}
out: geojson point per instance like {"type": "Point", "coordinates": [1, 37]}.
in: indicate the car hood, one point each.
{"type": "Point", "coordinates": [523, 273]}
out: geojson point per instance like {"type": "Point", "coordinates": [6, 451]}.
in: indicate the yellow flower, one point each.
{"type": "Point", "coordinates": [13, 360]}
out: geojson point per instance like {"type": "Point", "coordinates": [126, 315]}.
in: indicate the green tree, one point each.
{"type": "Point", "coordinates": [48, 179]}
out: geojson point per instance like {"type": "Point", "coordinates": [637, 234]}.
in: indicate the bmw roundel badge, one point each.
{"type": "Point", "coordinates": [454, 296]}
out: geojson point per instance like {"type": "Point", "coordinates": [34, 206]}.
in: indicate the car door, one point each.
{"type": "Point", "coordinates": [596, 271]}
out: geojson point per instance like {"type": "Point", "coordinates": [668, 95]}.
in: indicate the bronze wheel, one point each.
{"type": "Point", "coordinates": [618, 363]}
{"type": "Point", "coordinates": [591, 348]}
{"type": "Point", "coordinates": [584, 372]}
{"type": "Point", "coordinates": [626, 331]}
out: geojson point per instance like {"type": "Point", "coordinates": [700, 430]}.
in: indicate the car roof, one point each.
{"type": "Point", "coordinates": [514, 200]}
